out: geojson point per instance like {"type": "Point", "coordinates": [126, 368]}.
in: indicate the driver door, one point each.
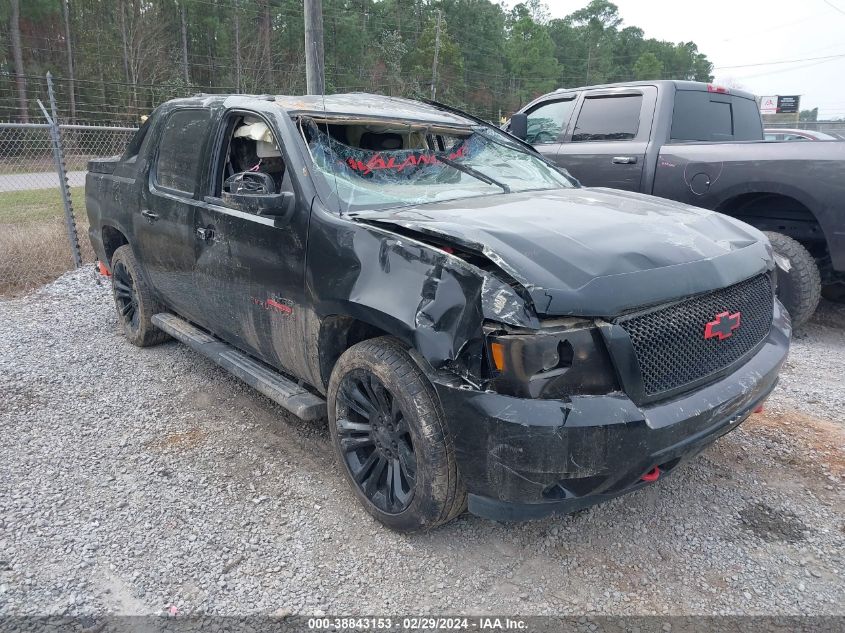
{"type": "Point", "coordinates": [250, 270]}
{"type": "Point", "coordinates": [547, 124]}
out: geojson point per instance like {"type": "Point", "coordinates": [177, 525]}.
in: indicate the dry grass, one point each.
{"type": "Point", "coordinates": [34, 247]}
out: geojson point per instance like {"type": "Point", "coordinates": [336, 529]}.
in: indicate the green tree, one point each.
{"type": "Point", "coordinates": [117, 59]}
{"type": "Point", "coordinates": [597, 28]}
{"type": "Point", "coordinates": [648, 67]}
{"type": "Point", "coordinates": [388, 71]}
{"type": "Point", "coordinates": [809, 115]}
{"type": "Point", "coordinates": [481, 25]}
{"type": "Point", "coordinates": [531, 56]}
{"type": "Point", "coordinates": [449, 61]}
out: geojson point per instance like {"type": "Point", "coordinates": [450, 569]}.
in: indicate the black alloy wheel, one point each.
{"type": "Point", "coordinates": [125, 295]}
{"type": "Point", "coordinates": [135, 302]}
{"type": "Point", "coordinates": [375, 441]}
{"type": "Point", "coordinates": [391, 437]}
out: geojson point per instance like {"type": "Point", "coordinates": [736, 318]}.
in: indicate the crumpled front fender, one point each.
{"type": "Point", "coordinates": [432, 300]}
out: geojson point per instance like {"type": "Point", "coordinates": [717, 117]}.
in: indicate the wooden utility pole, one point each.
{"type": "Point", "coordinates": [436, 55]}
{"type": "Point", "coordinates": [20, 79]}
{"type": "Point", "coordinates": [71, 81]}
{"type": "Point", "coordinates": [237, 47]}
{"type": "Point", "coordinates": [315, 78]}
{"type": "Point", "coordinates": [183, 23]}
{"type": "Point", "coordinates": [266, 47]}
{"type": "Point", "coordinates": [124, 38]}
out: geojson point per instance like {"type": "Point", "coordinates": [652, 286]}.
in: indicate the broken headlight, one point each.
{"type": "Point", "coordinates": [558, 360]}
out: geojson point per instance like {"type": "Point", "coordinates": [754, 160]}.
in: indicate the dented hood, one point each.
{"type": "Point", "coordinates": [592, 252]}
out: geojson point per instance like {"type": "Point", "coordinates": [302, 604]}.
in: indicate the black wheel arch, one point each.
{"type": "Point", "coordinates": [113, 238]}
{"type": "Point", "coordinates": [339, 332]}
{"type": "Point", "coordinates": [787, 213]}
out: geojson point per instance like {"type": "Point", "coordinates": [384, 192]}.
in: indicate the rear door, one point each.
{"type": "Point", "coordinates": [606, 145]}
{"type": "Point", "coordinates": [164, 224]}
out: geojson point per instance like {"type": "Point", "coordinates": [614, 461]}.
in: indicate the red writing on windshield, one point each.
{"type": "Point", "coordinates": [379, 162]}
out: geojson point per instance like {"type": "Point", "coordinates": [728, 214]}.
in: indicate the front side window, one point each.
{"type": "Point", "coordinates": [251, 160]}
{"type": "Point", "coordinates": [180, 150]}
{"type": "Point", "coordinates": [608, 118]}
{"type": "Point", "coordinates": [392, 165]}
{"type": "Point", "coordinates": [546, 122]}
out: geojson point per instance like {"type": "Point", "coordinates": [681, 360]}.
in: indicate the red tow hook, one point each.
{"type": "Point", "coordinates": [758, 409]}
{"type": "Point", "coordinates": [652, 475]}
{"type": "Point", "coordinates": [103, 269]}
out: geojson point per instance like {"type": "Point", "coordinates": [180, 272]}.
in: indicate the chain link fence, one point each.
{"type": "Point", "coordinates": [37, 242]}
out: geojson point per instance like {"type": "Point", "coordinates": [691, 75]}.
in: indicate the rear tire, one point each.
{"type": "Point", "coordinates": [799, 288]}
{"type": "Point", "coordinates": [391, 439]}
{"type": "Point", "coordinates": [134, 300]}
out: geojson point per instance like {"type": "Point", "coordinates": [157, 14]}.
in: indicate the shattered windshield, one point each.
{"type": "Point", "coordinates": [388, 165]}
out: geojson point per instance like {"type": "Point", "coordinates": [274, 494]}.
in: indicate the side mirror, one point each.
{"type": "Point", "coordinates": [519, 125]}
{"type": "Point", "coordinates": [279, 206]}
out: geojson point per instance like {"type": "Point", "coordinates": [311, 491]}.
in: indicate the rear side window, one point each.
{"type": "Point", "coordinates": [180, 149]}
{"type": "Point", "coordinates": [137, 140]}
{"type": "Point", "coordinates": [608, 118]}
{"type": "Point", "coordinates": [705, 116]}
{"type": "Point", "coordinates": [546, 122]}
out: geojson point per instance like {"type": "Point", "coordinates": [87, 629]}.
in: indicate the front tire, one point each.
{"type": "Point", "coordinates": [800, 287]}
{"type": "Point", "coordinates": [134, 301]}
{"type": "Point", "coordinates": [391, 439]}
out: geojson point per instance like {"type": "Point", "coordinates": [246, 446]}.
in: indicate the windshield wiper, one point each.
{"type": "Point", "coordinates": [474, 173]}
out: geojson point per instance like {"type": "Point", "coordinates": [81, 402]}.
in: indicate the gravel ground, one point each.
{"type": "Point", "coordinates": [135, 480]}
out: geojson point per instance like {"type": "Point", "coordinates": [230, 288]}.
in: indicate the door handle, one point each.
{"type": "Point", "coordinates": [205, 233]}
{"type": "Point", "coordinates": [152, 217]}
{"type": "Point", "coordinates": [624, 160]}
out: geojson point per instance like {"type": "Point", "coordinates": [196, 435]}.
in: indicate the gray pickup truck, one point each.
{"type": "Point", "coordinates": [703, 145]}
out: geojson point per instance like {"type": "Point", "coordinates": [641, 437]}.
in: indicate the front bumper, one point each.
{"type": "Point", "coordinates": [526, 458]}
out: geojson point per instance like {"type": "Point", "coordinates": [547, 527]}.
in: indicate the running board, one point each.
{"type": "Point", "coordinates": [271, 383]}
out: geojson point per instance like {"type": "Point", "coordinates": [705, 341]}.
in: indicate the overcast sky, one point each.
{"type": "Point", "coordinates": [739, 36]}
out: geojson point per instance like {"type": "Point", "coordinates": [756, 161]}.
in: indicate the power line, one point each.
{"type": "Point", "coordinates": [834, 7]}
{"type": "Point", "coordinates": [786, 70]}
{"type": "Point", "coordinates": [785, 61]}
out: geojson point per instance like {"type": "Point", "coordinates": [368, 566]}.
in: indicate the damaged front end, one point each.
{"type": "Point", "coordinates": [545, 412]}
{"type": "Point", "coordinates": [580, 440]}
{"type": "Point", "coordinates": [533, 311]}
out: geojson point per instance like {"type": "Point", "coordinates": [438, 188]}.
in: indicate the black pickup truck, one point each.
{"type": "Point", "coordinates": [477, 329]}
{"type": "Point", "coordinates": [703, 145]}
